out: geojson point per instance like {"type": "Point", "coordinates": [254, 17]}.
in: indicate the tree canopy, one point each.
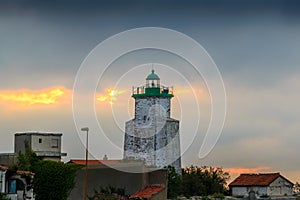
{"type": "Point", "coordinates": [53, 180]}
{"type": "Point", "coordinates": [197, 181]}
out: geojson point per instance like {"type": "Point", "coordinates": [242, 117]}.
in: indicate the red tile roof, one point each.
{"type": "Point", "coordinates": [256, 179]}
{"type": "Point", "coordinates": [19, 172]}
{"type": "Point", "coordinates": [95, 162]}
{"type": "Point", "coordinates": [147, 192]}
{"type": "Point", "coordinates": [3, 167]}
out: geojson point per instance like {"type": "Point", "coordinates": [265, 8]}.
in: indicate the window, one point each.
{"type": "Point", "coordinates": [40, 140]}
{"type": "Point", "coordinates": [54, 143]}
{"type": "Point", "coordinates": [12, 186]}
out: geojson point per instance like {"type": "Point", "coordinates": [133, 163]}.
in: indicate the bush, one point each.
{"type": "Point", "coordinates": [218, 196]}
{"type": "Point", "coordinates": [53, 180]}
{"type": "Point", "coordinates": [203, 181]}
{"type": "Point", "coordinates": [3, 197]}
{"type": "Point", "coordinates": [174, 183]}
{"type": "Point", "coordinates": [264, 196]}
{"type": "Point", "coordinates": [109, 193]}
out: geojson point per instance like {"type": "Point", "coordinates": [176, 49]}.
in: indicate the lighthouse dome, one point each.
{"type": "Point", "coordinates": [152, 76]}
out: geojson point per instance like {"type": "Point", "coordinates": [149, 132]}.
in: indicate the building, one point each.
{"type": "Point", "coordinates": [114, 173]}
{"type": "Point", "coordinates": [17, 185]}
{"type": "Point", "coordinates": [45, 145]}
{"type": "Point", "coordinates": [8, 159]}
{"type": "Point", "coordinates": [268, 184]}
{"type": "Point", "coordinates": [153, 136]}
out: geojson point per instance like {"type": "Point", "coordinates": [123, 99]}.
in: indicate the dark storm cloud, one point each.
{"type": "Point", "coordinates": [215, 7]}
{"type": "Point", "coordinates": [247, 39]}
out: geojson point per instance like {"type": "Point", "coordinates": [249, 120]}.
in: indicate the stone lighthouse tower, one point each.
{"type": "Point", "coordinates": [153, 136]}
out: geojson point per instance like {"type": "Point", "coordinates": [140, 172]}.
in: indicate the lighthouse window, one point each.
{"type": "Point", "coordinates": [145, 117]}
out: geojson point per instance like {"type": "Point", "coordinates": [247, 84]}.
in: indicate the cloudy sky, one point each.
{"type": "Point", "coordinates": [255, 45]}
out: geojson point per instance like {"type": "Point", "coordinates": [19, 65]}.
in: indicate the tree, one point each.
{"type": "Point", "coordinates": [109, 193]}
{"type": "Point", "coordinates": [204, 181]}
{"type": "Point", "coordinates": [174, 183]}
{"type": "Point", "coordinates": [192, 182]}
{"type": "Point", "coordinates": [296, 188]}
{"type": "Point", "coordinates": [28, 159]}
{"type": "Point", "coordinates": [52, 180]}
{"type": "Point", "coordinates": [2, 197]}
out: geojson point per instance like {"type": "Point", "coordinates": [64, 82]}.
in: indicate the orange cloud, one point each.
{"type": "Point", "coordinates": [110, 96]}
{"type": "Point", "coordinates": [239, 170]}
{"type": "Point", "coordinates": [29, 97]}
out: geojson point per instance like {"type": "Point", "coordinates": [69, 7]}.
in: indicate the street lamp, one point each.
{"type": "Point", "coordinates": [86, 162]}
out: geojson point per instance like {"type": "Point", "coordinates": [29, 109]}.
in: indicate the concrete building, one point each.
{"type": "Point", "coordinates": [114, 173]}
{"type": "Point", "coordinates": [269, 184]}
{"type": "Point", "coordinates": [153, 136]}
{"type": "Point", "coordinates": [8, 159]}
{"type": "Point", "coordinates": [45, 145]}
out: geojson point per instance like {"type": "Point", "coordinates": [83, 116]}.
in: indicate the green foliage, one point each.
{"type": "Point", "coordinates": [53, 180]}
{"type": "Point", "coordinates": [28, 159]}
{"type": "Point", "coordinates": [296, 188]}
{"type": "Point", "coordinates": [205, 198]}
{"type": "Point", "coordinates": [109, 193]}
{"type": "Point", "coordinates": [197, 181]}
{"type": "Point", "coordinates": [264, 196]}
{"type": "Point", "coordinates": [218, 196]}
{"type": "Point", "coordinates": [174, 183]}
{"type": "Point", "coordinates": [203, 181]}
{"type": "Point", "coordinates": [2, 196]}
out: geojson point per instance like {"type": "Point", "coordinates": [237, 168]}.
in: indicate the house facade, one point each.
{"type": "Point", "coordinates": [17, 185]}
{"type": "Point", "coordinates": [268, 184]}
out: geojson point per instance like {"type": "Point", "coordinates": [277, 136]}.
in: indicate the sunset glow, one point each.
{"type": "Point", "coordinates": [48, 96]}
{"type": "Point", "coordinates": [110, 96]}
{"type": "Point", "coordinates": [241, 170]}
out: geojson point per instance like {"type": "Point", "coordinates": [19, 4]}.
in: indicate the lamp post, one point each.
{"type": "Point", "coordinates": [86, 162]}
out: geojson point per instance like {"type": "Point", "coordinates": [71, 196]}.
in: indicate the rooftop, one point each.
{"type": "Point", "coordinates": [147, 192]}
{"type": "Point", "coordinates": [264, 179]}
{"type": "Point", "coordinates": [95, 162]}
{"type": "Point", "coordinates": [38, 133]}
{"type": "Point", "coordinates": [152, 76]}
{"type": "Point", "coordinates": [153, 88]}
{"type": "Point", "coordinates": [19, 172]}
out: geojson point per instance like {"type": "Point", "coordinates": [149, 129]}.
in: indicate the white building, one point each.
{"type": "Point", "coordinates": [153, 136]}
{"type": "Point", "coordinates": [269, 184]}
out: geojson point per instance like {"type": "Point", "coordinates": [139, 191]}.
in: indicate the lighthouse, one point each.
{"type": "Point", "coordinates": [152, 135]}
